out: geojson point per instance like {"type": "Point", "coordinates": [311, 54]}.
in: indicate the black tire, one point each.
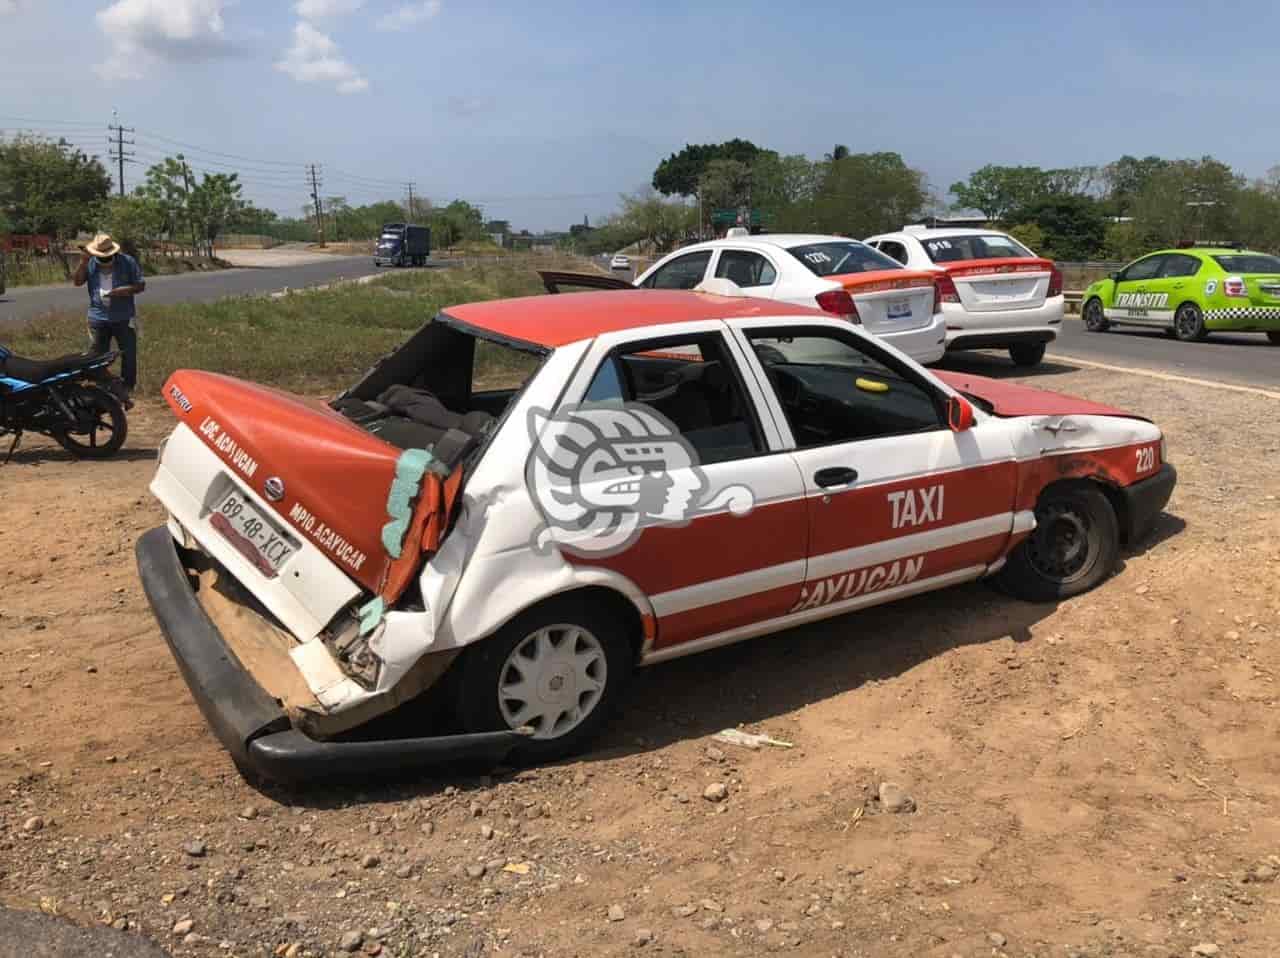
{"type": "Point", "coordinates": [1188, 323]}
{"type": "Point", "coordinates": [1075, 545]}
{"type": "Point", "coordinates": [1274, 338]}
{"type": "Point", "coordinates": [1027, 354]}
{"type": "Point", "coordinates": [1095, 320]}
{"type": "Point", "coordinates": [97, 413]}
{"type": "Point", "coordinates": [485, 665]}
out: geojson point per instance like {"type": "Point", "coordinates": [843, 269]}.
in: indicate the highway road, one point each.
{"type": "Point", "coordinates": [27, 302]}
{"type": "Point", "coordinates": [1231, 358]}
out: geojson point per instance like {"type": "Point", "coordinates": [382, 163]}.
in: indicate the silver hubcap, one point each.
{"type": "Point", "coordinates": [552, 680]}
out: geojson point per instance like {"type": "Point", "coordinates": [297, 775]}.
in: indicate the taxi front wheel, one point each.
{"type": "Point", "coordinates": [1075, 545]}
{"type": "Point", "coordinates": [1188, 323]}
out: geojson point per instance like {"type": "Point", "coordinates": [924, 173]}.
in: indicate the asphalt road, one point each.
{"type": "Point", "coordinates": [25, 934]}
{"type": "Point", "coordinates": [26, 302]}
{"type": "Point", "coordinates": [1240, 358]}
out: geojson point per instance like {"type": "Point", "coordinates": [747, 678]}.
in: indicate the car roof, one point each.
{"type": "Point", "coordinates": [943, 232]}
{"type": "Point", "coordinates": [768, 240]}
{"type": "Point", "coordinates": [551, 321]}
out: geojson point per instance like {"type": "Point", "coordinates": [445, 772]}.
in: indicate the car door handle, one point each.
{"type": "Point", "coordinates": [835, 476]}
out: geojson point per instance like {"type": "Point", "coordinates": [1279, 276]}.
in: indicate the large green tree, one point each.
{"type": "Point", "coordinates": [50, 187]}
{"type": "Point", "coordinates": [1072, 226]}
{"type": "Point", "coordinates": [214, 205]}
{"type": "Point", "coordinates": [864, 193]}
{"type": "Point", "coordinates": [1126, 178]}
{"type": "Point", "coordinates": [1189, 200]}
{"type": "Point", "coordinates": [679, 173]}
{"type": "Point", "coordinates": [997, 191]}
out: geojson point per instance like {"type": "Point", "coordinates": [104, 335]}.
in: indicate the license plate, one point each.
{"type": "Point", "coordinates": [254, 536]}
{"type": "Point", "coordinates": [899, 310]}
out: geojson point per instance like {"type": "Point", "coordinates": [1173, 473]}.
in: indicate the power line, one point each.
{"type": "Point", "coordinates": [120, 156]}
{"type": "Point", "coordinates": [315, 195]}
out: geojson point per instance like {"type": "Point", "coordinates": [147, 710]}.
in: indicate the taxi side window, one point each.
{"type": "Point", "coordinates": [894, 249]}
{"type": "Point", "coordinates": [745, 268]}
{"type": "Point", "coordinates": [693, 382]}
{"type": "Point", "coordinates": [1179, 265]}
{"type": "Point", "coordinates": [833, 389]}
{"type": "Point", "coordinates": [1142, 269]}
{"type": "Point", "coordinates": [683, 272]}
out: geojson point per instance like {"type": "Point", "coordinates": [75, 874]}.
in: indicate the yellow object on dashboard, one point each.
{"type": "Point", "coordinates": [871, 385]}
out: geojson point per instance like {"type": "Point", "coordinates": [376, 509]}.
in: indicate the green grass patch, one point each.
{"type": "Point", "coordinates": [311, 341]}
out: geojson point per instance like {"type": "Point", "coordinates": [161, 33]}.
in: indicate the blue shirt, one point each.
{"type": "Point", "coordinates": [115, 309]}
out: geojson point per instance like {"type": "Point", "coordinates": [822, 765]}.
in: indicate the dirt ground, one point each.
{"type": "Point", "coordinates": [1099, 778]}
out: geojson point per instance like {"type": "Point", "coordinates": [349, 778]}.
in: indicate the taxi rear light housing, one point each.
{"type": "Point", "coordinates": [944, 291]}
{"type": "Point", "coordinates": [839, 302]}
{"type": "Point", "coordinates": [1235, 286]}
{"type": "Point", "coordinates": [1055, 281]}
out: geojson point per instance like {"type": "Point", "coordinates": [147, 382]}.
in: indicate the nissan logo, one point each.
{"type": "Point", "coordinates": [274, 489]}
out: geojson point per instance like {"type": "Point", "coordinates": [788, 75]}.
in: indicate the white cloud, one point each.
{"type": "Point", "coordinates": [320, 9]}
{"type": "Point", "coordinates": [409, 15]}
{"type": "Point", "coordinates": [171, 30]}
{"type": "Point", "coordinates": [315, 58]}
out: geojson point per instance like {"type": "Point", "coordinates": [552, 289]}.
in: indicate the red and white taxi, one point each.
{"type": "Point", "coordinates": [994, 293]}
{"type": "Point", "coordinates": [533, 497]}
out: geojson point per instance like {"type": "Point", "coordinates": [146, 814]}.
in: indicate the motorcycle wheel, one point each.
{"type": "Point", "coordinates": [100, 427]}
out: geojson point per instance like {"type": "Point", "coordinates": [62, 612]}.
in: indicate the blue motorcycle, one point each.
{"type": "Point", "coordinates": [75, 400]}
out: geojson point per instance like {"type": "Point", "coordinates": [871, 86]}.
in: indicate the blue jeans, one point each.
{"type": "Point", "coordinates": [126, 338]}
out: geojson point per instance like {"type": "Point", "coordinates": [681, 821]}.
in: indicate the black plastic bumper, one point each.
{"type": "Point", "coordinates": [1026, 337]}
{"type": "Point", "coordinates": [1144, 500]}
{"type": "Point", "coordinates": [250, 723]}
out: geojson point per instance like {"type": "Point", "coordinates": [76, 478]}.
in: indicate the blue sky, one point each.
{"type": "Point", "coordinates": [547, 111]}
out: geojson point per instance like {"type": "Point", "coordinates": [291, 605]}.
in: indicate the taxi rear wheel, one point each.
{"type": "Point", "coordinates": [1075, 545]}
{"type": "Point", "coordinates": [1095, 320]}
{"type": "Point", "coordinates": [1188, 323]}
{"type": "Point", "coordinates": [557, 670]}
{"type": "Point", "coordinates": [1027, 354]}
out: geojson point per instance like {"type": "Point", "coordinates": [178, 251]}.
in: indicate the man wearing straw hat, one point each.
{"type": "Point", "coordinates": [113, 278]}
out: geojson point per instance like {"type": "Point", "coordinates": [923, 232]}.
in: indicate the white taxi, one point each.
{"type": "Point", "coordinates": [994, 293]}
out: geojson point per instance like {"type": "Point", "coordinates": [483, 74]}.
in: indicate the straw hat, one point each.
{"type": "Point", "coordinates": [103, 245]}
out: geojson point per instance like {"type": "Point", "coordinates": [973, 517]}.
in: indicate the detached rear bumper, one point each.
{"type": "Point", "coordinates": [1145, 499]}
{"type": "Point", "coordinates": [248, 722]}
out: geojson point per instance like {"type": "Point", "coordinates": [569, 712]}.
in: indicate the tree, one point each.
{"type": "Point", "coordinates": [864, 193]}
{"type": "Point", "coordinates": [169, 184]}
{"type": "Point", "coordinates": [1031, 236]}
{"type": "Point", "coordinates": [679, 173]}
{"type": "Point", "coordinates": [725, 184]}
{"type": "Point", "coordinates": [996, 191]}
{"type": "Point", "coordinates": [213, 204]}
{"type": "Point", "coordinates": [838, 152]}
{"type": "Point", "coordinates": [1126, 178]}
{"type": "Point", "coordinates": [1195, 200]}
{"type": "Point", "coordinates": [136, 222]}
{"type": "Point", "coordinates": [50, 187]}
{"type": "Point", "coordinates": [1072, 226]}
{"type": "Point", "coordinates": [455, 223]}
{"type": "Point", "coordinates": [661, 222]}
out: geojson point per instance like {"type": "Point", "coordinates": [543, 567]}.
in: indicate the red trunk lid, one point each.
{"type": "Point", "coordinates": [330, 479]}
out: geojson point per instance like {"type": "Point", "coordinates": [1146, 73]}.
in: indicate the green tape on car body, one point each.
{"type": "Point", "coordinates": [371, 614]}
{"type": "Point", "coordinates": [410, 468]}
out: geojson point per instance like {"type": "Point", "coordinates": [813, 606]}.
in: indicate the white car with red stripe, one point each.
{"type": "Point", "coordinates": [839, 275]}
{"type": "Point", "coordinates": [994, 293]}
{"type": "Point", "coordinates": [663, 473]}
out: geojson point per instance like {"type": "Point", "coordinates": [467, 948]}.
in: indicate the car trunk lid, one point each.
{"type": "Point", "coordinates": [1264, 288]}
{"type": "Point", "coordinates": [985, 285]}
{"type": "Point", "coordinates": [890, 300]}
{"type": "Point", "coordinates": [331, 483]}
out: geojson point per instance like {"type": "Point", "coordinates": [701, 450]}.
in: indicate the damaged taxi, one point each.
{"type": "Point", "coordinates": [533, 497]}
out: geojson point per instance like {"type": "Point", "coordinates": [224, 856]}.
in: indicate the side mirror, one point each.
{"type": "Point", "coordinates": [959, 414]}
{"type": "Point", "coordinates": [1115, 276]}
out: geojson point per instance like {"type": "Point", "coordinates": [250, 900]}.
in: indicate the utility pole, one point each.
{"type": "Point", "coordinates": [117, 147]}
{"type": "Point", "coordinates": [186, 204]}
{"type": "Point", "coordinates": [315, 195]}
{"type": "Point", "coordinates": [411, 211]}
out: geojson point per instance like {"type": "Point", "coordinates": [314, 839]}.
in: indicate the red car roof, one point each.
{"type": "Point", "coordinates": [552, 321]}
